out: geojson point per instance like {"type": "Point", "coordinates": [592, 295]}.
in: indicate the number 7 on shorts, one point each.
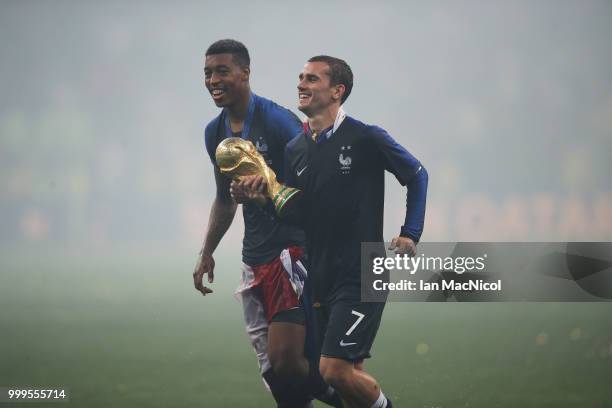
{"type": "Point", "coordinates": [360, 317]}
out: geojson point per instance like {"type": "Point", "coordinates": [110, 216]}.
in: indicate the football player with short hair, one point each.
{"type": "Point", "coordinates": [339, 163]}
{"type": "Point", "coordinates": [273, 274]}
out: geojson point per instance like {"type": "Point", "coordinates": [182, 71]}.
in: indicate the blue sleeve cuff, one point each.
{"type": "Point", "coordinates": [406, 232]}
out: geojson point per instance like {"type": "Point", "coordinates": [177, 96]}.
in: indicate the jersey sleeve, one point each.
{"type": "Point", "coordinates": [409, 172]}
{"type": "Point", "coordinates": [416, 198]}
{"type": "Point", "coordinates": [288, 125]}
{"type": "Point", "coordinates": [396, 158]}
{"type": "Point", "coordinates": [210, 140]}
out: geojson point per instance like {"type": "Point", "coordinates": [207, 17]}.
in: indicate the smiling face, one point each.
{"type": "Point", "coordinates": [226, 80]}
{"type": "Point", "coordinates": [315, 91]}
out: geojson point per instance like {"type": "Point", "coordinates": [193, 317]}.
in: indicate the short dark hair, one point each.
{"type": "Point", "coordinates": [239, 52]}
{"type": "Point", "coordinates": [339, 73]}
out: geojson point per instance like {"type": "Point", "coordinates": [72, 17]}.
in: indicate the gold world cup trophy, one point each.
{"type": "Point", "coordinates": [237, 157]}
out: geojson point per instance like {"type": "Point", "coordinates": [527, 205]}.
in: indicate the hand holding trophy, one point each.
{"type": "Point", "coordinates": [237, 158]}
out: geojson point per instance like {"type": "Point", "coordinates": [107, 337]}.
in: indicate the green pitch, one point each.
{"type": "Point", "coordinates": [129, 330]}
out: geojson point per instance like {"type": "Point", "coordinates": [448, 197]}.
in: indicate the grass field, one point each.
{"type": "Point", "coordinates": [129, 330]}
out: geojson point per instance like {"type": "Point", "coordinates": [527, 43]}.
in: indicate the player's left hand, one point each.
{"type": "Point", "coordinates": [403, 245]}
{"type": "Point", "coordinates": [205, 265]}
{"type": "Point", "coordinates": [248, 188]}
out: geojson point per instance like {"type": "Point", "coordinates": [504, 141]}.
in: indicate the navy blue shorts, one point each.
{"type": "Point", "coordinates": [347, 328]}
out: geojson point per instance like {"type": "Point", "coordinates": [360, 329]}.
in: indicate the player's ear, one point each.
{"type": "Point", "coordinates": [338, 92]}
{"type": "Point", "coordinates": [246, 72]}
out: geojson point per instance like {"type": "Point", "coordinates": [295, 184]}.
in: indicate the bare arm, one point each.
{"type": "Point", "coordinates": [221, 214]}
{"type": "Point", "coordinates": [221, 217]}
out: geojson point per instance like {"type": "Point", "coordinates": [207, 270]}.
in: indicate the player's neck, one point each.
{"type": "Point", "coordinates": [238, 111]}
{"type": "Point", "coordinates": [324, 119]}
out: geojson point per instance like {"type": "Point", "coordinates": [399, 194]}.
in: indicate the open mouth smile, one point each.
{"type": "Point", "coordinates": [217, 93]}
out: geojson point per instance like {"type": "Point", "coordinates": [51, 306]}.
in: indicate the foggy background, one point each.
{"type": "Point", "coordinates": [102, 110]}
{"type": "Point", "coordinates": [105, 190]}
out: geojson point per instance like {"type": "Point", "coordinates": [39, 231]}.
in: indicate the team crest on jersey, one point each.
{"type": "Point", "coordinates": [345, 160]}
{"type": "Point", "coordinates": [261, 146]}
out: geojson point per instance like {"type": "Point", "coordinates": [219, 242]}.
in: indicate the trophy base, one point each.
{"type": "Point", "coordinates": [285, 200]}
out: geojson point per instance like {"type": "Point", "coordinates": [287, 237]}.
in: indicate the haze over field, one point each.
{"type": "Point", "coordinates": [508, 105]}
{"type": "Point", "coordinates": [105, 189]}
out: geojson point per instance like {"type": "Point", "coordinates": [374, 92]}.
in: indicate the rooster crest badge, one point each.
{"type": "Point", "coordinates": [345, 160]}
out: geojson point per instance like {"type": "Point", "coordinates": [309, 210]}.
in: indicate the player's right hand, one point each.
{"type": "Point", "coordinates": [205, 265]}
{"type": "Point", "coordinates": [239, 194]}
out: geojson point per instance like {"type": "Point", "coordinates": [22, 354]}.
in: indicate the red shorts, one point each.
{"type": "Point", "coordinates": [273, 281]}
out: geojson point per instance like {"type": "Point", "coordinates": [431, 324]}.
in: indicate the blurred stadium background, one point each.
{"type": "Point", "coordinates": [105, 190]}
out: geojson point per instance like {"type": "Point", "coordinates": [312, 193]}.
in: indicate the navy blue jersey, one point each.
{"type": "Point", "coordinates": [343, 202]}
{"type": "Point", "coordinates": [271, 128]}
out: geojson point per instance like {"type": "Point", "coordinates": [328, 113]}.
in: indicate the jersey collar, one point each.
{"type": "Point", "coordinates": [246, 127]}
{"type": "Point", "coordinates": [340, 116]}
